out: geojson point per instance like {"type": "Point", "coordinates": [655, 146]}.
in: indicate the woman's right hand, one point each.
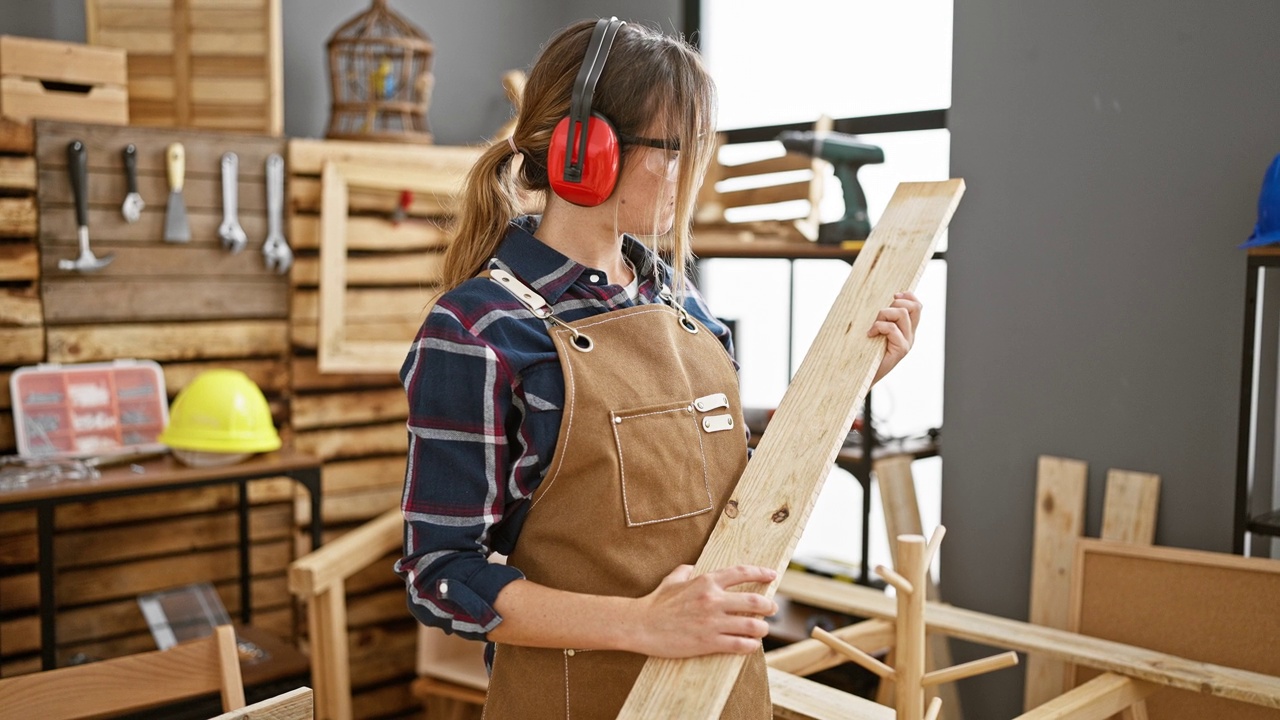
{"type": "Point", "coordinates": [687, 616]}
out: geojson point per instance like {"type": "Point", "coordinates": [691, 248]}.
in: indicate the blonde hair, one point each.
{"type": "Point", "coordinates": [650, 82]}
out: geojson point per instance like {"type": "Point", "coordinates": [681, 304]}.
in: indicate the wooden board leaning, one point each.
{"type": "Point", "coordinates": [767, 513]}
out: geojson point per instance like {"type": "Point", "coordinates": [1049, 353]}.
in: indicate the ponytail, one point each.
{"type": "Point", "coordinates": [487, 205]}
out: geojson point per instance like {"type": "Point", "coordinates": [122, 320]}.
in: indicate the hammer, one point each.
{"type": "Point", "coordinates": [78, 167]}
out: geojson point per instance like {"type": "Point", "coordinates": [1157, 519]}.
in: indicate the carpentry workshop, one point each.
{"type": "Point", "coordinates": [931, 350]}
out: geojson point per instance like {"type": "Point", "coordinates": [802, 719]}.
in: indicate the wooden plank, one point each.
{"type": "Point", "coordinates": [18, 173]}
{"type": "Point", "coordinates": [304, 197]}
{"type": "Point", "coordinates": [228, 43]}
{"type": "Point", "coordinates": [1098, 699]}
{"type": "Point", "coordinates": [349, 408]}
{"type": "Point", "coordinates": [124, 300]}
{"type": "Point", "coordinates": [1210, 607]}
{"type": "Point", "coordinates": [782, 481]}
{"type": "Point", "coordinates": [160, 261]}
{"type": "Point", "coordinates": [381, 654]}
{"type": "Point", "coordinates": [356, 506]}
{"type": "Point", "coordinates": [1136, 662]}
{"type": "Point", "coordinates": [147, 64]}
{"type": "Point", "coordinates": [58, 228]}
{"type": "Point", "coordinates": [204, 151]}
{"type": "Point", "coordinates": [381, 439]}
{"type": "Point", "coordinates": [377, 608]}
{"type": "Point", "coordinates": [19, 592]}
{"type": "Point", "coordinates": [396, 334]}
{"type": "Point", "coordinates": [795, 698]}
{"type": "Point", "coordinates": [766, 195]}
{"type": "Point", "coordinates": [19, 261]}
{"type": "Point", "coordinates": [142, 576]}
{"type": "Point", "coordinates": [8, 441]}
{"type": "Point", "coordinates": [307, 376]}
{"type": "Point", "coordinates": [151, 88]}
{"type": "Point", "coordinates": [326, 616]}
{"type": "Point", "coordinates": [144, 40]}
{"type": "Point", "coordinates": [40, 59]}
{"type": "Point", "coordinates": [270, 374]}
{"type": "Point", "coordinates": [370, 232]}
{"type": "Point", "coordinates": [228, 66]}
{"type": "Point", "coordinates": [223, 19]}
{"type": "Point", "coordinates": [134, 17]}
{"type": "Point", "coordinates": [352, 475]}
{"type": "Point", "coordinates": [201, 532]}
{"type": "Point", "coordinates": [20, 307]}
{"type": "Point", "coordinates": [239, 91]}
{"type": "Point", "coordinates": [1130, 508]}
{"type": "Point", "coordinates": [168, 341]}
{"type": "Point", "coordinates": [377, 270]}
{"type": "Point", "coordinates": [395, 700]}
{"type": "Point", "coordinates": [306, 157]}
{"type": "Point", "coordinates": [145, 507]}
{"type": "Point", "coordinates": [201, 191]}
{"type": "Point", "coordinates": [369, 304]}
{"type": "Point", "coordinates": [16, 136]}
{"type": "Point", "coordinates": [767, 166]}
{"type": "Point", "coordinates": [296, 704]}
{"type": "Point", "coordinates": [1061, 485]}
{"type": "Point", "coordinates": [18, 218]}
{"type": "Point", "coordinates": [21, 346]}
{"type": "Point", "coordinates": [902, 517]}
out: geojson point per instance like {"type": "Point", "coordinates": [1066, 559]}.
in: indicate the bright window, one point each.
{"type": "Point", "coordinates": [782, 63]}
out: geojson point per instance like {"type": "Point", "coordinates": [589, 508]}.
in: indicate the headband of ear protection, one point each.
{"type": "Point", "coordinates": [583, 158]}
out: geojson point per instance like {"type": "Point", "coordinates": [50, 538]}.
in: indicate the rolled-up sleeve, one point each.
{"type": "Point", "coordinates": [460, 406]}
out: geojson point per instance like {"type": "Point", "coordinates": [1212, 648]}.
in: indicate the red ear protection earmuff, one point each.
{"type": "Point", "coordinates": [583, 158]}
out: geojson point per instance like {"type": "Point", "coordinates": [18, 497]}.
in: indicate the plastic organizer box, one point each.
{"type": "Point", "coordinates": [89, 409]}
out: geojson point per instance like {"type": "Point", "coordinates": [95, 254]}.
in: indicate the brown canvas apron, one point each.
{"type": "Point", "coordinates": [651, 446]}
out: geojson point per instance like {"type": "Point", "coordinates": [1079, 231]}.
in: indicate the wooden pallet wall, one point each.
{"type": "Point", "coordinates": [356, 421]}
{"type": "Point", "coordinates": [191, 307]}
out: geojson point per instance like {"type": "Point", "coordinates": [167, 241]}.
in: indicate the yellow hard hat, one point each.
{"type": "Point", "coordinates": [221, 411]}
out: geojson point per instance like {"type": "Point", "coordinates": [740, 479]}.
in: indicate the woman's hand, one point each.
{"type": "Point", "coordinates": [688, 616]}
{"type": "Point", "coordinates": [897, 323]}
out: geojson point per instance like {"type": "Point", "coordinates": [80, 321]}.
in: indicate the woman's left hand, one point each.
{"type": "Point", "coordinates": [897, 323]}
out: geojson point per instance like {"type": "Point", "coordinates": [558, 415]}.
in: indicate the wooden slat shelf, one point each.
{"type": "Point", "coordinates": [1267, 524]}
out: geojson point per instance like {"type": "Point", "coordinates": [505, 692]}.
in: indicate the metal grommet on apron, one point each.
{"type": "Point", "coordinates": [641, 471]}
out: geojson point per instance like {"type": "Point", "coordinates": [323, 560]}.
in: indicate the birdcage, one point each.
{"type": "Point", "coordinates": [380, 75]}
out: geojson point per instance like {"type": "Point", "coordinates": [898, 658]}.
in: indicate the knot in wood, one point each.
{"type": "Point", "coordinates": [731, 509]}
{"type": "Point", "coordinates": [782, 514]}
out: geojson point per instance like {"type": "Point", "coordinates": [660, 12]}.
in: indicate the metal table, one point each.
{"type": "Point", "coordinates": [157, 476]}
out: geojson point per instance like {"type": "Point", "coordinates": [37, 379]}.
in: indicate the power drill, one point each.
{"type": "Point", "coordinates": [846, 155]}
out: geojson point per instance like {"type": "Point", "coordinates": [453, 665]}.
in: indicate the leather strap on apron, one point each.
{"type": "Point", "coordinates": [650, 449]}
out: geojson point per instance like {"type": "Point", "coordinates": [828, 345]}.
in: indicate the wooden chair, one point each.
{"type": "Point", "coordinates": [293, 705]}
{"type": "Point", "coordinates": [448, 667]}
{"type": "Point", "coordinates": [128, 684]}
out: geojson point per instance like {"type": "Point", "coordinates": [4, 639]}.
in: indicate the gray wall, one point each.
{"type": "Point", "coordinates": [1113, 154]}
{"type": "Point", "coordinates": [475, 43]}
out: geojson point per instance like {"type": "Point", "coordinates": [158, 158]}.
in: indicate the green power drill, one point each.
{"type": "Point", "coordinates": [846, 155]}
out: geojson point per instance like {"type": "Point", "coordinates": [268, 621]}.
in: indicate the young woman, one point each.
{"type": "Point", "coordinates": [573, 402]}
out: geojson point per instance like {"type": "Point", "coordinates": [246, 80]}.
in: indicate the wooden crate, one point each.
{"type": "Point", "coordinates": [214, 64]}
{"type": "Point", "coordinates": [68, 81]}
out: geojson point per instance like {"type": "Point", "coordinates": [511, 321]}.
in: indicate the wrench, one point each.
{"type": "Point", "coordinates": [275, 250]}
{"type": "Point", "coordinates": [233, 237]}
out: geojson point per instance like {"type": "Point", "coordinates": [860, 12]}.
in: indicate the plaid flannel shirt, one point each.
{"type": "Point", "coordinates": [485, 398]}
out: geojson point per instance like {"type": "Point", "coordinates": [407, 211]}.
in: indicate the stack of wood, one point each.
{"type": "Point", "coordinates": [216, 64]}
{"type": "Point", "coordinates": [190, 306]}
{"type": "Point", "coordinates": [355, 420]}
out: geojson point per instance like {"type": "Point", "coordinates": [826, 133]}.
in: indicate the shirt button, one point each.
{"type": "Point", "coordinates": [593, 278]}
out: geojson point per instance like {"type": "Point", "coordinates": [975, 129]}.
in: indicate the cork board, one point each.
{"type": "Point", "coordinates": [1212, 607]}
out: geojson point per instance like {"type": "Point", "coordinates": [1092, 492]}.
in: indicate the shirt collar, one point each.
{"type": "Point", "coordinates": [551, 273]}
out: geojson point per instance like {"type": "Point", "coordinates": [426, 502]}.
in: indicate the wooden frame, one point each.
{"type": "Point", "coordinates": [763, 520]}
{"type": "Point", "coordinates": [337, 351]}
{"type": "Point", "coordinates": [293, 705]}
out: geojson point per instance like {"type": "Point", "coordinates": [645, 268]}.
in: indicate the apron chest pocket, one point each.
{"type": "Point", "coordinates": [661, 464]}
